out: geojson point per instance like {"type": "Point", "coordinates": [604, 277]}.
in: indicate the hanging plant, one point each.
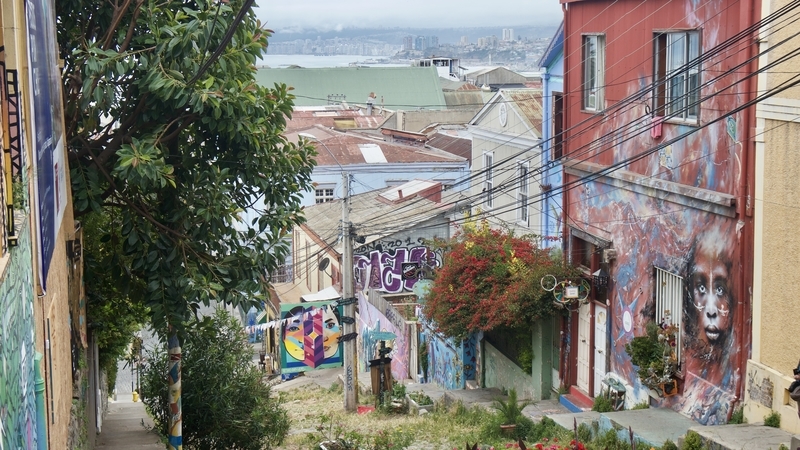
{"type": "Point", "coordinates": [655, 355]}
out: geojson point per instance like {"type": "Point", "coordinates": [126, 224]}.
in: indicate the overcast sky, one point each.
{"type": "Point", "coordinates": [327, 14]}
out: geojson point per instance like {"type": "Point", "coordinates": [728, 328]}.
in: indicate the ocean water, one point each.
{"type": "Point", "coordinates": [311, 61]}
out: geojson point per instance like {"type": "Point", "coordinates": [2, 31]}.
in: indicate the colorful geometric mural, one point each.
{"type": "Point", "coordinates": [17, 396]}
{"type": "Point", "coordinates": [310, 336]}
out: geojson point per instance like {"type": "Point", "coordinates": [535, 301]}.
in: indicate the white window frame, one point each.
{"type": "Point", "coordinates": [488, 180]}
{"type": "Point", "coordinates": [677, 85]}
{"type": "Point", "coordinates": [324, 193]}
{"type": "Point", "coordinates": [593, 82]}
{"type": "Point", "coordinates": [669, 302]}
{"type": "Point", "coordinates": [523, 175]}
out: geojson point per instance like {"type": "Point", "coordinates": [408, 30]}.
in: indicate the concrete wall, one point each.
{"type": "Point", "coordinates": [766, 390]}
{"type": "Point", "coordinates": [501, 372]}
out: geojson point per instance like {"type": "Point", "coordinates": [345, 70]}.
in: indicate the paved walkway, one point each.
{"type": "Point", "coordinates": [127, 427]}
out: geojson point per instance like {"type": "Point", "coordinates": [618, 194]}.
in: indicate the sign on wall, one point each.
{"type": "Point", "coordinates": [49, 163]}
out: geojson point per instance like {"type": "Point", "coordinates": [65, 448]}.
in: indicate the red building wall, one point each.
{"type": "Point", "coordinates": [685, 205]}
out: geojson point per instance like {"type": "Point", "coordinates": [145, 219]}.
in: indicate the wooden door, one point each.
{"type": "Point", "coordinates": [600, 349]}
{"type": "Point", "coordinates": [584, 346]}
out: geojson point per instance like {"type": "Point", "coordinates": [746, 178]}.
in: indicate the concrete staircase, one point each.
{"type": "Point", "coordinates": [576, 400]}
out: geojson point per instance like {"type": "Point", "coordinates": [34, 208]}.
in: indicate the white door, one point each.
{"type": "Point", "coordinates": [584, 329]}
{"type": "Point", "coordinates": [600, 350]}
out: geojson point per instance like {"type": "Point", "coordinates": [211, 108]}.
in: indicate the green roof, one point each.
{"type": "Point", "coordinates": [400, 87]}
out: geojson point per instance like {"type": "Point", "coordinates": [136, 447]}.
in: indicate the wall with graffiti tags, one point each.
{"type": "Point", "coordinates": [17, 397]}
{"type": "Point", "coordinates": [450, 365]}
{"type": "Point", "coordinates": [379, 265]}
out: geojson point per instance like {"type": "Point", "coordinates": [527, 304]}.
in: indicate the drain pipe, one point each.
{"type": "Point", "coordinates": [41, 412]}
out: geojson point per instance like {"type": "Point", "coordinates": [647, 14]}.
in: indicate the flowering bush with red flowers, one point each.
{"type": "Point", "coordinates": [491, 278]}
{"type": "Point", "coordinates": [573, 445]}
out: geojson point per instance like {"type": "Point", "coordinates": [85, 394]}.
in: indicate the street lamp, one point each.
{"type": "Point", "coordinates": [350, 372]}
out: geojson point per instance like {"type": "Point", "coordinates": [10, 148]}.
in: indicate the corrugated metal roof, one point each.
{"type": "Point", "coordinates": [473, 99]}
{"type": "Point", "coordinates": [333, 117]}
{"type": "Point", "coordinates": [385, 218]}
{"type": "Point", "coordinates": [451, 144]}
{"type": "Point", "coordinates": [395, 87]}
{"type": "Point", "coordinates": [337, 148]}
{"type": "Point", "coordinates": [529, 104]}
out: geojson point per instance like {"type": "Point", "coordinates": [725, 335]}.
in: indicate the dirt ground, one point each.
{"type": "Point", "coordinates": [307, 405]}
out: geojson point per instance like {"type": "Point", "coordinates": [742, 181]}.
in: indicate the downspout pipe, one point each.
{"type": "Point", "coordinates": [41, 411]}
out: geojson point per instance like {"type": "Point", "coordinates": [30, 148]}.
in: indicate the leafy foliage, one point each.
{"type": "Point", "coordinates": [738, 416]}
{"type": "Point", "coordinates": [655, 355]}
{"type": "Point", "coordinates": [692, 441]}
{"type": "Point", "coordinates": [510, 408]}
{"type": "Point", "coordinates": [225, 403]}
{"type": "Point", "coordinates": [491, 278]}
{"type": "Point", "coordinates": [180, 160]}
{"type": "Point", "coordinates": [602, 404]}
{"type": "Point", "coordinates": [773, 419]}
{"type": "Point", "coordinates": [114, 308]}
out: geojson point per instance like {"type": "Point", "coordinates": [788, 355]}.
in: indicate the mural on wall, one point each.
{"type": "Point", "coordinates": [17, 379]}
{"type": "Point", "coordinates": [310, 336]}
{"type": "Point", "coordinates": [373, 321]}
{"type": "Point", "coordinates": [379, 265]}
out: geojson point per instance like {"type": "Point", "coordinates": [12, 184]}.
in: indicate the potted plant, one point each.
{"type": "Point", "coordinates": [418, 402]}
{"type": "Point", "coordinates": [656, 358]}
{"type": "Point", "coordinates": [510, 410]}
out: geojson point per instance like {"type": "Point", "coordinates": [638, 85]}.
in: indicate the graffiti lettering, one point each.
{"type": "Point", "coordinates": [383, 270]}
{"type": "Point", "coordinates": [349, 378]}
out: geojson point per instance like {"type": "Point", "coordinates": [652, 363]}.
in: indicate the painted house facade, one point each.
{"type": "Point", "coordinates": [775, 309]}
{"type": "Point", "coordinates": [552, 64]}
{"type": "Point", "coordinates": [658, 193]}
{"type": "Point", "coordinates": [396, 225]}
{"type": "Point", "coordinates": [45, 349]}
{"type": "Point", "coordinates": [506, 156]}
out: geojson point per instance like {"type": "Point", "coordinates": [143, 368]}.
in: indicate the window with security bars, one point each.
{"type": "Point", "coordinates": [523, 174]}
{"type": "Point", "coordinates": [669, 301]}
{"type": "Point", "coordinates": [323, 194]}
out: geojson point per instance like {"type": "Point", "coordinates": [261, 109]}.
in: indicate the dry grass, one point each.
{"type": "Point", "coordinates": [439, 430]}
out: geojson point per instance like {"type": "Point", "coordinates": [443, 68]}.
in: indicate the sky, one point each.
{"type": "Point", "coordinates": [326, 15]}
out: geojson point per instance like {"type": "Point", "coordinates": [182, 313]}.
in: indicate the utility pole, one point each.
{"type": "Point", "coordinates": [350, 372]}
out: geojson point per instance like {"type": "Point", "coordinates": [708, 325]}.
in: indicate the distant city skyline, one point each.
{"type": "Point", "coordinates": [288, 17]}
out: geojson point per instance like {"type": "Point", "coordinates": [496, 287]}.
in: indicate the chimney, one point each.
{"type": "Point", "coordinates": [400, 193]}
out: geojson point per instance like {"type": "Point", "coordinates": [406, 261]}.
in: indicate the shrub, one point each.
{"type": "Point", "coordinates": [773, 419]}
{"type": "Point", "coordinates": [420, 398]}
{"type": "Point", "coordinates": [225, 403]}
{"type": "Point", "coordinates": [510, 409]}
{"type": "Point", "coordinates": [602, 404]}
{"type": "Point", "coordinates": [738, 416]}
{"type": "Point", "coordinates": [584, 433]}
{"type": "Point", "coordinates": [644, 404]}
{"type": "Point", "coordinates": [669, 445]}
{"type": "Point", "coordinates": [692, 441]}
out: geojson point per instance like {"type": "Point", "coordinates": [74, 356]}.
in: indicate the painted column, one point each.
{"type": "Point", "coordinates": [41, 411]}
{"type": "Point", "coordinates": [174, 395]}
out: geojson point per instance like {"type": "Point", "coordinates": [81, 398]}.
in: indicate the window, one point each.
{"type": "Point", "coordinates": [677, 75]}
{"type": "Point", "coordinates": [488, 184]}
{"type": "Point", "coordinates": [323, 193]}
{"type": "Point", "coordinates": [593, 56]}
{"type": "Point", "coordinates": [523, 174]}
{"type": "Point", "coordinates": [669, 291]}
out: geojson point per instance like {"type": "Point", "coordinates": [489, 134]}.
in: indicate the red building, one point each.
{"type": "Point", "coordinates": [658, 193]}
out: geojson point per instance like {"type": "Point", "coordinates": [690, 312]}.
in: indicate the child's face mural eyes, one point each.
{"type": "Point", "coordinates": [710, 293]}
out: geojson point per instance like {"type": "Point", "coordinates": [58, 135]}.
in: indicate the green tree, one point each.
{"type": "Point", "coordinates": [179, 140]}
{"type": "Point", "coordinates": [227, 404]}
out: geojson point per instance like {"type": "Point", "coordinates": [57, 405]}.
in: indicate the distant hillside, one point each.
{"type": "Point", "coordinates": [396, 35]}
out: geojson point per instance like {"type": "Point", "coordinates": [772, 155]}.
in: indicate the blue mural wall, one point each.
{"type": "Point", "coordinates": [450, 365]}
{"type": "Point", "coordinates": [17, 396]}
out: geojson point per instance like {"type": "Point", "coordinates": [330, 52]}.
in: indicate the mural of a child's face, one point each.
{"type": "Point", "coordinates": [711, 290]}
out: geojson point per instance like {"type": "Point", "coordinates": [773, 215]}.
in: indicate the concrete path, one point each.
{"type": "Point", "coordinates": [126, 427]}
{"type": "Point", "coordinates": [754, 436]}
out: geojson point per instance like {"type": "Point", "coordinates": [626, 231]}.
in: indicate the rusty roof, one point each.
{"type": "Point", "coordinates": [452, 144]}
{"type": "Point", "coordinates": [529, 104]}
{"type": "Point", "coordinates": [338, 148]}
{"type": "Point", "coordinates": [333, 117]}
